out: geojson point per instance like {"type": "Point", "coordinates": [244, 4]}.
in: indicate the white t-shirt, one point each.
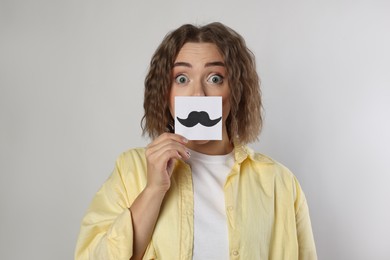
{"type": "Point", "coordinates": [209, 174]}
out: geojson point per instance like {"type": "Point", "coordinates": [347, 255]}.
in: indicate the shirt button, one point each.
{"type": "Point", "coordinates": [230, 208]}
{"type": "Point", "coordinates": [235, 253]}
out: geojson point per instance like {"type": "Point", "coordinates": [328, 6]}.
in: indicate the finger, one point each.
{"type": "Point", "coordinates": [163, 163]}
{"type": "Point", "coordinates": [174, 149]}
{"type": "Point", "coordinates": [169, 136]}
{"type": "Point", "coordinates": [163, 141]}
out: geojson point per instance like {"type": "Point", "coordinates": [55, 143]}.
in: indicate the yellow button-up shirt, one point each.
{"type": "Point", "coordinates": [267, 213]}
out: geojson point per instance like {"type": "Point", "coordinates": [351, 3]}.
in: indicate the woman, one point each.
{"type": "Point", "coordinates": [205, 199]}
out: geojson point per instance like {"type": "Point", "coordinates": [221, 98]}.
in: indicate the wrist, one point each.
{"type": "Point", "coordinates": [155, 192]}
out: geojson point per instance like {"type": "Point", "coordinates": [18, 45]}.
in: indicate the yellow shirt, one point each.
{"type": "Point", "coordinates": [267, 213]}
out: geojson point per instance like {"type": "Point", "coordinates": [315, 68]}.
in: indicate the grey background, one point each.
{"type": "Point", "coordinates": [71, 78]}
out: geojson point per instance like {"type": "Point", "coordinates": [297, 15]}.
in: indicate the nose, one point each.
{"type": "Point", "coordinates": [198, 89]}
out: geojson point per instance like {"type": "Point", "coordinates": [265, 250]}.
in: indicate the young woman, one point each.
{"type": "Point", "coordinates": [203, 199]}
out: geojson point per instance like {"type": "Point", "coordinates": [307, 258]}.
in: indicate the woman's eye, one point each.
{"type": "Point", "coordinates": [215, 79]}
{"type": "Point", "coordinates": [181, 79]}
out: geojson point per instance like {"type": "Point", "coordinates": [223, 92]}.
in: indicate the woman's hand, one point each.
{"type": "Point", "coordinates": [161, 155]}
{"type": "Point", "coordinates": [160, 158]}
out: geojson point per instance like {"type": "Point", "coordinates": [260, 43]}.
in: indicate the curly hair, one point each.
{"type": "Point", "coordinates": [245, 118]}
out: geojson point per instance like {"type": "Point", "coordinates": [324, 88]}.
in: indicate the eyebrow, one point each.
{"type": "Point", "coordinates": [184, 64]}
{"type": "Point", "coordinates": [208, 64]}
{"type": "Point", "coordinates": [215, 63]}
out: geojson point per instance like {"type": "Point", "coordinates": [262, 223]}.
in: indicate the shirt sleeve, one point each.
{"type": "Point", "coordinates": [106, 231]}
{"type": "Point", "coordinates": [306, 244]}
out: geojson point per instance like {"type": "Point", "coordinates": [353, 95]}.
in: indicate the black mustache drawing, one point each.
{"type": "Point", "coordinates": [200, 117]}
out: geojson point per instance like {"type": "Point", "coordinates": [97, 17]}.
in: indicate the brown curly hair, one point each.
{"type": "Point", "coordinates": [245, 119]}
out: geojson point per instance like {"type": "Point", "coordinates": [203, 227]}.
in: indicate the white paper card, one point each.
{"type": "Point", "coordinates": [198, 118]}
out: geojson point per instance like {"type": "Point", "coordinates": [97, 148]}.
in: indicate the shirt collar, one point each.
{"type": "Point", "coordinates": [242, 152]}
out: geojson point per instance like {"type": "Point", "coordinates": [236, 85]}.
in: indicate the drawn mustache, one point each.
{"type": "Point", "coordinates": [198, 117]}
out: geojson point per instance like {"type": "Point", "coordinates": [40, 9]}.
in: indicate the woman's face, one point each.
{"type": "Point", "coordinates": [199, 70]}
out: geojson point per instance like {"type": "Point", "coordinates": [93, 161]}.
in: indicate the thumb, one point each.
{"type": "Point", "coordinates": [171, 165]}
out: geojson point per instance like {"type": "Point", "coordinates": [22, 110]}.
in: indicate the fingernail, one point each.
{"type": "Point", "coordinates": [185, 140]}
{"type": "Point", "coordinates": [188, 153]}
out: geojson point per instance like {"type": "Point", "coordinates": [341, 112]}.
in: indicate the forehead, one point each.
{"type": "Point", "coordinates": [199, 52]}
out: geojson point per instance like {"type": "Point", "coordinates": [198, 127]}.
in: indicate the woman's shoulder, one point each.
{"type": "Point", "coordinates": [133, 156]}
{"type": "Point", "coordinates": [274, 173]}
{"type": "Point", "coordinates": [133, 152]}
{"type": "Point", "coordinates": [268, 164]}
